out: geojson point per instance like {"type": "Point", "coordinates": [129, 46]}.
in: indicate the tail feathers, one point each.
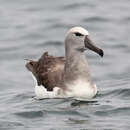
{"type": "Point", "coordinates": [32, 67]}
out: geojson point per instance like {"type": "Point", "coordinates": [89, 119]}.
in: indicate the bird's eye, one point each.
{"type": "Point", "coordinates": [78, 34]}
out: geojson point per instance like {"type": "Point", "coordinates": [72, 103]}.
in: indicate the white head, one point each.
{"type": "Point", "coordinates": [79, 30]}
{"type": "Point", "coordinates": [77, 39]}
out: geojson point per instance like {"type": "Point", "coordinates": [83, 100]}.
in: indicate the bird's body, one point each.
{"type": "Point", "coordinates": [69, 76]}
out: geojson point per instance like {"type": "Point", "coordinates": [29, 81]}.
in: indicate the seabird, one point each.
{"type": "Point", "coordinates": [69, 76]}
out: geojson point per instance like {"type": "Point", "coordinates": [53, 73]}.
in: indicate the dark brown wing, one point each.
{"type": "Point", "coordinates": [48, 70]}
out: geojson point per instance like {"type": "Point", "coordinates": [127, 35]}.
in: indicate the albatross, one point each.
{"type": "Point", "coordinates": [69, 76]}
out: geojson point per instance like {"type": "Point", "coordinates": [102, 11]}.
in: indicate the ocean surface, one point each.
{"type": "Point", "coordinates": [30, 27]}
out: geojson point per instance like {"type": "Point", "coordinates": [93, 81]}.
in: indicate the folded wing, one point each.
{"type": "Point", "coordinates": [48, 70]}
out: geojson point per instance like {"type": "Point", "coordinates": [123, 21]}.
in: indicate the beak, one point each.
{"type": "Point", "coordinates": [90, 45]}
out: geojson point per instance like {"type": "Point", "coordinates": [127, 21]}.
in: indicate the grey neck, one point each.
{"type": "Point", "coordinates": [76, 65]}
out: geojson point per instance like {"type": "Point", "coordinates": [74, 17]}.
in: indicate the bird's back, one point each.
{"type": "Point", "coordinates": [48, 70]}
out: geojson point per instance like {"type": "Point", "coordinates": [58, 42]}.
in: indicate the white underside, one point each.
{"type": "Point", "coordinates": [41, 92]}
{"type": "Point", "coordinates": [79, 90]}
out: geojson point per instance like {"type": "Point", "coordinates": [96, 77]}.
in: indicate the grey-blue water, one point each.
{"type": "Point", "coordinates": [30, 27]}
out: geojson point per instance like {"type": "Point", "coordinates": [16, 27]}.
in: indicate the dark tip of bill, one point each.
{"type": "Point", "coordinates": [101, 53]}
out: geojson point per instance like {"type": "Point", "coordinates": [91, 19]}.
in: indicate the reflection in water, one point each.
{"type": "Point", "coordinates": [79, 103]}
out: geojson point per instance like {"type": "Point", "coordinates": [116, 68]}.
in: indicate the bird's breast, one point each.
{"type": "Point", "coordinates": [81, 89]}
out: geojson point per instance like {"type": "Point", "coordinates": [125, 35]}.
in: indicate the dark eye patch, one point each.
{"type": "Point", "coordinates": [78, 34]}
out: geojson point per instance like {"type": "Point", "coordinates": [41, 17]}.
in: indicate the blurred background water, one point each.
{"type": "Point", "coordinates": [28, 28]}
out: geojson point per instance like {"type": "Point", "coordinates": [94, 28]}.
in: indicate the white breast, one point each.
{"type": "Point", "coordinates": [80, 89]}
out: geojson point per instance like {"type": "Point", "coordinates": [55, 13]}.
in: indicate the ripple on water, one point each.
{"type": "Point", "coordinates": [30, 114]}
{"type": "Point", "coordinates": [96, 19]}
{"type": "Point", "coordinates": [122, 112]}
{"type": "Point", "coordinates": [75, 5]}
{"type": "Point", "coordinates": [10, 124]}
{"type": "Point", "coordinates": [50, 43]}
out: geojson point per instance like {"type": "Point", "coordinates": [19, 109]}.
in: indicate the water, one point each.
{"type": "Point", "coordinates": [28, 28]}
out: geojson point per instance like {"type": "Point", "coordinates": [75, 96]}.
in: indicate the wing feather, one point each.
{"type": "Point", "coordinates": [48, 70]}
